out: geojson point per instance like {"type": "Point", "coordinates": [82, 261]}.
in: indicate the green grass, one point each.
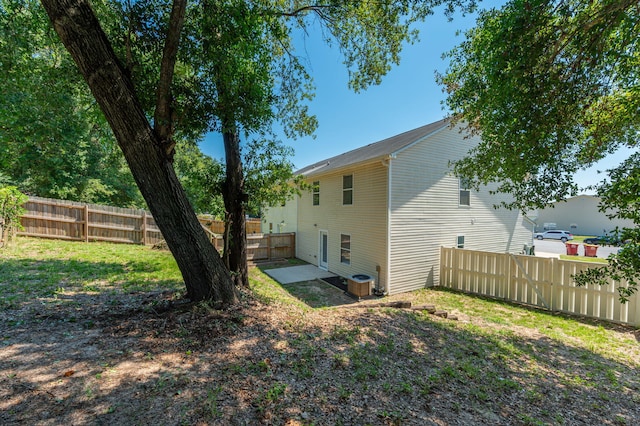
{"type": "Point", "coordinates": [499, 316]}
{"type": "Point", "coordinates": [497, 352]}
{"type": "Point", "coordinates": [584, 258]}
{"type": "Point", "coordinates": [269, 291]}
{"type": "Point", "coordinates": [33, 268]}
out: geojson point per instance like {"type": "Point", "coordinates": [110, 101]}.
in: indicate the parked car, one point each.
{"type": "Point", "coordinates": [555, 234]}
{"type": "Point", "coordinates": [604, 240]}
{"type": "Point", "coordinates": [599, 240]}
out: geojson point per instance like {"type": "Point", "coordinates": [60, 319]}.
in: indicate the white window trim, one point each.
{"type": "Point", "coordinates": [344, 249]}
{"type": "Point", "coordinates": [315, 190]}
{"type": "Point", "coordinates": [348, 189]}
{"type": "Point", "coordinates": [461, 188]}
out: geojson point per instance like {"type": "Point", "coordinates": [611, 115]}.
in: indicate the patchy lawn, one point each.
{"type": "Point", "coordinates": [97, 334]}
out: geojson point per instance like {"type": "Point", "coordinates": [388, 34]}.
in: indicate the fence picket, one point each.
{"type": "Point", "coordinates": [536, 281]}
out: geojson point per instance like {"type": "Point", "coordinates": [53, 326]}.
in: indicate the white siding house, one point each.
{"type": "Point", "coordinates": [579, 215]}
{"type": "Point", "coordinates": [386, 209]}
{"type": "Point", "coordinates": [281, 219]}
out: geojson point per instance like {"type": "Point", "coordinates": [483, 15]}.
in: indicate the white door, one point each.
{"type": "Point", "coordinates": [323, 256]}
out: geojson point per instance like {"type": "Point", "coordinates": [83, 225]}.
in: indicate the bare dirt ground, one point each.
{"type": "Point", "coordinates": [147, 358]}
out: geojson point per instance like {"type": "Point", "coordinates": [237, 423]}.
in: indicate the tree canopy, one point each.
{"type": "Point", "coordinates": [54, 142]}
{"type": "Point", "coordinates": [269, 177]}
{"type": "Point", "coordinates": [553, 86]}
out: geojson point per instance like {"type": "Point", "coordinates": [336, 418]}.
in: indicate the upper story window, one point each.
{"type": "Point", "coordinates": [465, 193]}
{"type": "Point", "coordinates": [315, 191]}
{"type": "Point", "coordinates": [347, 190]}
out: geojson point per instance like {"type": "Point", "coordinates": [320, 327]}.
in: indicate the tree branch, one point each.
{"type": "Point", "coordinates": [607, 16]}
{"type": "Point", "coordinates": [311, 8]}
{"type": "Point", "coordinates": [162, 117]}
{"type": "Point", "coordinates": [127, 42]}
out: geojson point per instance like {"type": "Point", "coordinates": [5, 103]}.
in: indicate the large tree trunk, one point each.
{"type": "Point", "coordinates": [204, 275]}
{"type": "Point", "coordinates": [234, 201]}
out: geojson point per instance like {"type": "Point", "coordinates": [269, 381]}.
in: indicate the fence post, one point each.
{"type": "Point", "coordinates": [510, 278]}
{"type": "Point", "coordinates": [292, 244]}
{"type": "Point", "coordinates": [443, 260]}
{"type": "Point", "coordinates": [554, 281]}
{"type": "Point", "coordinates": [85, 228]}
{"type": "Point", "coordinates": [268, 246]}
{"type": "Point", "coordinates": [453, 278]}
{"type": "Point", "coordinates": [144, 227]}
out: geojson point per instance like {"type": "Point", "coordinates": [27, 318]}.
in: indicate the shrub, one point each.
{"type": "Point", "coordinates": [11, 208]}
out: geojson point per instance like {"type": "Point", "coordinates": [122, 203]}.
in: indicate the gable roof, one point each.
{"type": "Point", "coordinates": [373, 151]}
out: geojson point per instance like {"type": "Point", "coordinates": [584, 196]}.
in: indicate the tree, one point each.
{"type": "Point", "coordinates": [158, 73]}
{"type": "Point", "coordinates": [553, 87]}
{"type": "Point", "coordinates": [270, 180]}
{"type": "Point", "coordinates": [54, 142]}
{"type": "Point", "coordinates": [148, 150]}
{"type": "Point", "coordinates": [270, 175]}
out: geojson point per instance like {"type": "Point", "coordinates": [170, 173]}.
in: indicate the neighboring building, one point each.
{"type": "Point", "coordinates": [281, 219]}
{"type": "Point", "coordinates": [580, 216]}
{"type": "Point", "coordinates": [386, 209]}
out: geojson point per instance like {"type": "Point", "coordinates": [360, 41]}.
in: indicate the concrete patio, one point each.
{"type": "Point", "coordinates": [295, 274]}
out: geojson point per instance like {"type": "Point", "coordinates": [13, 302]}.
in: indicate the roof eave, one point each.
{"type": "Point", "coordinates": [324, 171]}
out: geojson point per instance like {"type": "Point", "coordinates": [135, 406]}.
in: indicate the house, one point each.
{"type": "Point", "coordinates": [281, 219]}
{"type": "Point", "coordinates": [579, 215]}
{"type": "Point", "coordinates": [385, 210]}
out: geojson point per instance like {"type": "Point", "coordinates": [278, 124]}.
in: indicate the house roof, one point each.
{"type": "Point", "coordinates": [373, 151]}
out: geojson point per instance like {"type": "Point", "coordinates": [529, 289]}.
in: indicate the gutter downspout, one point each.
{"type": "Point", "coordinates": [388, 164]}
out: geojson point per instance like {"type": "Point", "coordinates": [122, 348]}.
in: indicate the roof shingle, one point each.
{"type": "Point", "coordinates": [373, 151]}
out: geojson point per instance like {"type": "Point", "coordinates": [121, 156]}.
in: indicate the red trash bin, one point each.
{"type": "Point", "coordinates": [590, 250]}
{"type": "Point", "coordinates": [572, 249]}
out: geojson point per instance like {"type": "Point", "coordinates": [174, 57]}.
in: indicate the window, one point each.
{"type": "Point", "coordinates": [347, 190]}
{"type": "Point", "coordinates": [460, 241]}
{"type": "Point", "coordinates": [465, 194]}
{"type": "Point", "coordinates": [345, 249]}
{"type": "Point", "coordinates": [316, 192]}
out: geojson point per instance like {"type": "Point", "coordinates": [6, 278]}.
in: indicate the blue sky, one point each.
{"type": "Point", "coordinates": [408, 97]}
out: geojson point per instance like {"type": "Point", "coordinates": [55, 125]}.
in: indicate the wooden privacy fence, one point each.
{"type": "Point", "coordinates": [253, 226]}
{"type": "Point", "coordinates": [68, 220]}
{"type": "Point", "coordinates": [265, 246]}
{"type": "Point", "coordinates": [536, 281]}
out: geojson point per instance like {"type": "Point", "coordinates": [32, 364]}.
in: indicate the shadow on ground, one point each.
{"type": "Point", "coordinates": [319, 294]}
{"type": "Point", "coordinates": [116, 354]}
{"type": "Point", "coordinates": [261, 364]}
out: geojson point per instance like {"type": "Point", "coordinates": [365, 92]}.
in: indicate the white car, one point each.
{"type": "Point", "coordinates": [555, 234]}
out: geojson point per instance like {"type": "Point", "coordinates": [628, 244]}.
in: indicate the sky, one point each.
{"type": "Point", "coordinates": [407, 98]}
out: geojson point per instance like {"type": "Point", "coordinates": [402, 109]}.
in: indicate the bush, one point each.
{"type": "Point", "coordinates": [11, 208]}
